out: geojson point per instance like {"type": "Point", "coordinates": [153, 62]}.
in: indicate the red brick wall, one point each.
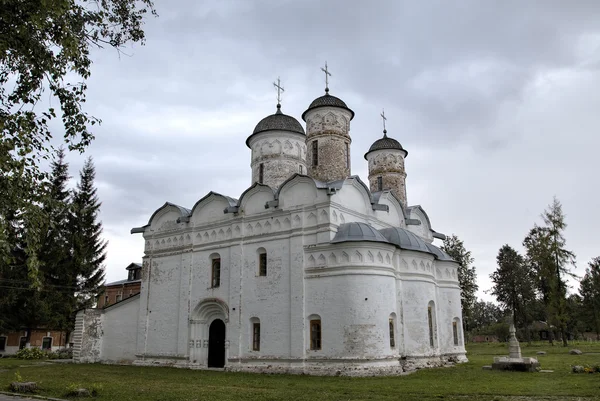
{"type": "Point", "coordinates": [126, 290]}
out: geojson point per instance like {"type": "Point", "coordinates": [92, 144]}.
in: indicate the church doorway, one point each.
{"type": "Point", "coordinates": [216, 344]}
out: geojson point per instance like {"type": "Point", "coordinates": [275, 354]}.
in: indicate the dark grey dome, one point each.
{"type": "Point", "coordinates": [404, 239]}
{"type": "Point", "coordinates": [357, 232]}
{"type": "Point", "coordinates": [327, 100]}
{"type": "Point", "coordinates": [439, 254]}
{"type": "Point", "coordinates": [277, 121]}
{"type": "Point", "coordinates": [386, 143]}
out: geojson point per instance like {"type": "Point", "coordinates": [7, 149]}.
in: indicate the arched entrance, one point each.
{"type": "Point", "coordinates": [216, 344]}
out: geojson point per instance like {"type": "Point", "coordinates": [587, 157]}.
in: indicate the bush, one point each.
{"type": "Point", "coordinates": [31, 353]}
{"type": "Point", "coordinates": [65, 353]}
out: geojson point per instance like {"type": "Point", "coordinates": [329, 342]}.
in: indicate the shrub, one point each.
{"type": "Point", "coordinates": [65, 353]}
{"type": "Point", "coordinates": [31, 353]}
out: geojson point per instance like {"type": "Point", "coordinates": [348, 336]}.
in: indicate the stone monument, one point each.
{"type": "Point", "coordinates": [514, 361]}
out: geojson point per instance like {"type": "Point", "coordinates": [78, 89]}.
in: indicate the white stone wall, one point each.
{"type": "Point", "coordinates": [119, 341]}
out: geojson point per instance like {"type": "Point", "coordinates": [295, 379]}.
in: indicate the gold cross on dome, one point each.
{"type": "Point", "coordinates": [279, 90]}
{"type": "Point", "coordinates": [327, 75]}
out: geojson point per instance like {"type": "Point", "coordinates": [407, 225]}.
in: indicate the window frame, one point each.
{"type": "Point", "coordinates": [256, 336]}
{"type": "Point", "coordinates": [215, 279]}
{"type": "Point", "coordinates": [430, 323]}
{"type": "Point", "coordinates": [316, 335]}
{"type": "Point", "coordinates": [379, 183]}
{"type": "Point", "coordinates": [3, 344]}
{"type": "Point", "coordinates": [119, 297]}
{"type": "Point", "coordinates": [43, 340]}
{"type": "Point", "coordinates": [315, 153]}
{"type": "Point", "coordinates": [262, 264]}
{"type": "Point", "coordinates": [392, 328]}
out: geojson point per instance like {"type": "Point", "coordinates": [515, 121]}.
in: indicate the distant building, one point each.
{"type": "Point", "coordinates": [48, 340]}
{"type": "Point", "coordinates": [114, 292]}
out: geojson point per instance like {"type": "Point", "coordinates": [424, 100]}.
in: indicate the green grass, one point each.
{"type": "Point", "coordinates": [464, 382]}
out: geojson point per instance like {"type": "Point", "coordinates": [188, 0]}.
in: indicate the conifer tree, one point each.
{"type": "Point", "coordinates": [89, 249]}
{"type": "Point", "coordinates": [513, 284]}
{"type": "Point", "coordinates": [589, 289]}
{"type": "Point", "coordinates": [467, 276]}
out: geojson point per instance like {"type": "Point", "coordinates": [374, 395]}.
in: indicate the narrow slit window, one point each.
{"type": "Point", "coordinates": [392, 334]}
{"type": "Point", "coordinates": [380, 183]}
{"type": "Point", "coordinates": [430, 321]}
{"type": "Point", "coordinates": [262, 264]}
{"type": "Point", "coordinates": [106, 300]}
{"type": "Point", "coordinates": [455, 332]}
{"type": "Point", "coordinates": [315, 334]}
{"type": "Point", "coordinates": [300, 169]}
{"type": "Point", "coordinates": [347, 155]}
{"type": "Point", "coordinates": [315, 153]}
{"type": "Point", "coordinates": [256, 337]}
{"type": "Point", "coordinates": [261, 173]}
{"type": "Point", "coordinates": [216, 272]}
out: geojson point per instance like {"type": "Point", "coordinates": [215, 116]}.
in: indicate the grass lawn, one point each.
{"type": "Point", "coordinates": [464, 382]}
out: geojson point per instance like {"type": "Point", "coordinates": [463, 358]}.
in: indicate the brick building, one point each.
{"type": "Point", "coordinates": [117, 291]}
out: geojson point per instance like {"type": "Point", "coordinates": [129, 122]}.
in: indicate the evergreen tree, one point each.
{"type": "Point", "coordinates": [485, 314]}
{"type": "Point", "coordinates": [548, 258]}
{"type": "Point", "coordinates": [589, 289]}
{"type": "Point", "coordinates": [89, 249]}
{"type": "Point", "coordinates": [467, 276]}
{"type": "Point", "coordinates": [513, 285]}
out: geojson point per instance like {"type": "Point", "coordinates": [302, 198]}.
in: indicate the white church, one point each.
{"type": "Point", "coordinates": [309, 270]}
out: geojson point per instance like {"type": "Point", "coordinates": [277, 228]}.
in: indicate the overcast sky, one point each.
{"type": "Point", "coordinates": [497, 103]}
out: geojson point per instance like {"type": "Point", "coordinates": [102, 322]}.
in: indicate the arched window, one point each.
{"type": "Point", "coordinates": [255, 327]}
{"type": "Point", "coordinates": [315, 332]}
{"type": "Point", "coordinates": [431, 323]}
{"type": "Point", "coordinates": [262, 261]}
{"type": "Point", "coordinates": [392, 330]}
{"type": "Point", "coordinates": [456, 330]}
{"type": "Point", "coordinates": [215, 270]}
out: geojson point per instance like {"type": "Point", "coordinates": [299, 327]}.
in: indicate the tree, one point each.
{"type": "Point", "coordinates": [485, 314]}
{"type": "Point", "coordinates": [550, 260]}
{"type": "Point", "coordinates": [513, 285]}
{"type": "Point", "coordinates": [589, 289]}
{"type": "Point", "coordinates": [467, 276]}
{"type": "Point", "coordinates": [89, 249]}
{"type": "Point", "coordinates": [45, 60]}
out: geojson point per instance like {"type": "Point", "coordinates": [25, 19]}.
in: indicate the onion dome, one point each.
{"type": "Point", "coordinates": [404, 239]}
{"type": "Point", "coordinates": [386, 143]}
{"type": "Point", "coordinates": [327, 101]}
{"type": "Point", "coordinates": [356, 231]}
{"type": "Point", "coordinates": [278, 122]}
{"type": "Point", "coordinates": [439, 254]}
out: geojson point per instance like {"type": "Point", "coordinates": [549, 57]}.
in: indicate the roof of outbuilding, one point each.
{"type": "Point", "coordinates": [385, 143]}
{"type": "Point", "coordinates": [404, 239]}
{"type": "Point", "coordinates": [356, 231]}
{"type": "Point", "coordinates": [328, 101]}
{"type": "Point", "coordinates": [439, 254]}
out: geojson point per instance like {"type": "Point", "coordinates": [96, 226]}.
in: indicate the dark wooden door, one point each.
{"type": "Point", "coordinates": [216, 344]}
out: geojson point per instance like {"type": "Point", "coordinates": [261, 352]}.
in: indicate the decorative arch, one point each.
{"type": "Point", "coordinates": [210, 309]}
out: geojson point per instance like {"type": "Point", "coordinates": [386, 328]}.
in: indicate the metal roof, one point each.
{"type": "Point", "coordinates": [356, 231]}
{"type": "Point", "coordinates": [279, 122]}
{"type": "Point", "coordinates": [327, 101]}
{"type": "Point", "coordinates": [439, 254]}
{"type": "Point", "coordinates": [404, 239]}
{"type": "Point", "coordinates": [386, 143]}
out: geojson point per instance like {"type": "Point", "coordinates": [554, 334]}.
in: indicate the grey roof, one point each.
{"type": "Point", "coordinates": [327, 100]}
{"type": "Point", "coordinates": [439, 254]}
{"type": "Point", "coordinates": [385, 143]}
{"type": "Point", "coordinates": [356, 231]}
{"type": "Point", "coordinates": [404, 239]}
{"type": "Point", "coordinates": [279, 122]}
{"type": "Point", "coordinates": [122, 282]}
{"type": "Point", "coordinates": [133, 266]}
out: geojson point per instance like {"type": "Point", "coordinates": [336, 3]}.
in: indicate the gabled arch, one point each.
{"type": "Point", "coordinates": [355, 195]}
{"type": "Point", "coordinates": [265, 194]}
{"type": "Point", "coordinates": [308, 194]}
{"type": "Point", "coordinates": [176, 210]}
{"type": "Point", "coordinates": [210, 207]}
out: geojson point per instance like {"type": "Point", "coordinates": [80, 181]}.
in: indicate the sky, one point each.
{"type": "Point", "coordinates": [497, 104]}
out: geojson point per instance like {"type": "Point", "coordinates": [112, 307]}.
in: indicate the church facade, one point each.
{"type": "Point", "coordinates": [311, 270]}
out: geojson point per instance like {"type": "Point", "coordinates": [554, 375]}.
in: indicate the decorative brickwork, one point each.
{"type": "Point", "coordinates": [389, 165]}
{"type": "Point", "coordinates": [329, 127]}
